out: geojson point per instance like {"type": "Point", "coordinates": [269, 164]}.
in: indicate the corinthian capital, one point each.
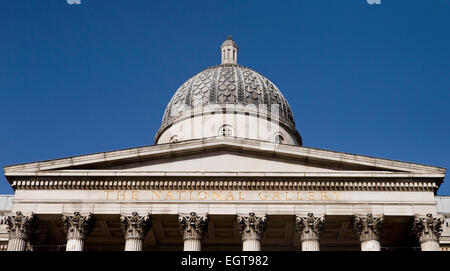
{"type": "Point", "coordinates": [309, 227]}
{"type": "Point", "coordinates": [19, 226]}
{"type": "Point", "coordinates": [427, 228]}
{"type": "Point", "coordinates": [252, 226]}
{"type": "Point", "coordinates": [78, 226]}
{"type": "Point", "coordinates": [368, 227]}
{"type": "Point", "coordinates": [193, 226]}
{"type": "Point", "coordinates": [135, 226]}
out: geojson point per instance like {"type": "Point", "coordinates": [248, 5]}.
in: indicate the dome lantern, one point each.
{"type": "Point", "coordinates": [229, 51]}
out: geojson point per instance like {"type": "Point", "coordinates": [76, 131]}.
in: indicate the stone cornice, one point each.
{"type": "Point", "coordinates": [220, 183]}
{"type": "Point", "coordinates": [129, 173]}
{"type": "Point", "coordinates": [230, 143]}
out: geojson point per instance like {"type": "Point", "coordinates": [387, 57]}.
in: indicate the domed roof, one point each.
{"type": "Point", "coordinates": [227, 84]}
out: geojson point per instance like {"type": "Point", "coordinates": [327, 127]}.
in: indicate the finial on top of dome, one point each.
{"type": "Point", "coordinates": [229, 51]}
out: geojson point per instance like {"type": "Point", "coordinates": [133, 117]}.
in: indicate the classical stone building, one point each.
{"type": "Point", "coordinates": [227, 171]}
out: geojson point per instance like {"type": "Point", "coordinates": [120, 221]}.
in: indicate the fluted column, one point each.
{"type": "Point", "coordinates": [310, 228]}
{"type": "Point", "coordinates": [77, 229]}
{"type": "Point", "coordinates": [135, 228]}
{"type": "Point", "coordinates": [252, 230]}
{"type": "Point", "coordinates": [19, 229]}
{"type": "Point", "coordinates": [368, 228]}
{"type": "Point", "coordinates": [428, 230]}
{"type": "Point", "coordinates": [193, 227]}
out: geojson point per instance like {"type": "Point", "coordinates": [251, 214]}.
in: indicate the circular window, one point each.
{"type": "Point", "coordinates": [226, 130]}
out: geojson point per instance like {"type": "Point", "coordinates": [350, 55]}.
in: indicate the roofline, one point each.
{"type": "Point", "coordinates": [240, 143]}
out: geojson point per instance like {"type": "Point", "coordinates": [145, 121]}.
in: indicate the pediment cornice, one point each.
{"type": "Point", "coordinates": [87, 164]}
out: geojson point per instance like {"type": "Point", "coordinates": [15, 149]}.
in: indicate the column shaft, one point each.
{"type": "Point", "coordinates": [251, 245]}
{"type": "Point", "coordinates": [310, 245]}
{"type": "Point", "coordinates": [192, 245]}
{"type": "Point", "coordinates": [133, 244]}
{"type": "Point", "coordinates": [370, 245]}
{"type": "Point", "coordinates": [16, 244]}
{"type": "Point", "coordinates": [75, 244]}
{"type": "Point", "coordinates": [430, 245]}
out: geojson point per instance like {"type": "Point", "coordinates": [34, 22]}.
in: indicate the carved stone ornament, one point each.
{"type": "Point", "coordinates": [427, 228]}
{"type": "Point", "coordinates": [309, 227]}
{"type": "Point", "coordinates": [19, 226]}
{"type": "Point", "coordinates": [368, 227]}
{"type": "Point", "coordinates": [251, 226]}
{"type": "Point", "coordinates": [193, 226]}
{"type": "Point", "coordinates": [135, 226]}
{"type": "Point", "coordinates": [227, 84]}
{"type": "Point", "coordinates": [78, 226]}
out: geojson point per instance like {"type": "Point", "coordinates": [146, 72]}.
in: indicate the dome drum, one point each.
{"type": "Point", "coordinates": [247, 121]}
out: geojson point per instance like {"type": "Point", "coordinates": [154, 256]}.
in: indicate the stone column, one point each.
{"type": "Point", "coordinates": [428, 230]}
{"type": "Point", "coordinates": [310, 228]}
{"type": "Point", "coordinates": [193, 227]}
{"type": "Point", "coordinates": [19, 229]}
{"type": "Point", "coordinates": [135, 228]}
{"type": "Point", "coordinates": [368, 228]}
{"type": "Point", "coordinates": [252, 231]}
{"type": "Point", "coordinates": [77, 228]}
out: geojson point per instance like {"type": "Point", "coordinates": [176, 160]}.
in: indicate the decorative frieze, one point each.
{"type": "Point", "coordinates": [78, 226]}
{"type": "Point", "coordinates": [183, 183]}
{"type": "Point", "coordinates": [368, 227]}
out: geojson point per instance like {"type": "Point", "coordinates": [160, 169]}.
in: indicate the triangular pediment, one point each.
{"type": "Point", "coordinates": [227, 160]}
{"type": "Point", "coordinates": [222, 156]}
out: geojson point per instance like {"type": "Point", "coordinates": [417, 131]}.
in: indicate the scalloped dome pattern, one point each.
{"type": "Point", "coordinates": [227, 84]}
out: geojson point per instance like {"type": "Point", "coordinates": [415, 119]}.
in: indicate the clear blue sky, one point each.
{"type": "Point", "coordinates": [364, 79]}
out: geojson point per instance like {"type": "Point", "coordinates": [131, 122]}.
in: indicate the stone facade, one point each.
{"type": "Point", "coordinates": [221, 179]}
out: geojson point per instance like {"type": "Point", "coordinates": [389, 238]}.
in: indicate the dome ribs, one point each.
{"type": "Point", "coordinates": [187, 101]}
{"type": "Point", "coordinates": [227, 84]}
{"type": "Point", "coordinates": [213, 90]}
{"type": "Point", "coordinates": [239, 84]}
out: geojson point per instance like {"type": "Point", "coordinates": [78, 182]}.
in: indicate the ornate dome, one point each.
{"type": "Point", "coordinates": [227, 84]}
